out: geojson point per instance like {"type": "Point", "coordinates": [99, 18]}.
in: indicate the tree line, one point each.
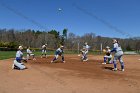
{"type": "Point", "coordinates": [12, 38]}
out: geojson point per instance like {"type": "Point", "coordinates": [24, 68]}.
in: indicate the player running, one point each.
{"type": "Point", "coordinates": [59, 52]}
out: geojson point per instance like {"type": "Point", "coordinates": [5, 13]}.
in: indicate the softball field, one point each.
{"type": "Point", "coordinates": [73, 76]}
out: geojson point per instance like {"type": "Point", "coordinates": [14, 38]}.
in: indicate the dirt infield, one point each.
{"type": "Point", "coordinates": [73, 76]}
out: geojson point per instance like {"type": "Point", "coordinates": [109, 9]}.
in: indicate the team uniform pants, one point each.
{"type": "Point", "coordinates": [118, 56]}
{"type": "Point", "coordinates": [19, 65]}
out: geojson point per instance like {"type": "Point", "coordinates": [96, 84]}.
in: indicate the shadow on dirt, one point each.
{"type": "Point", "coordinates": [109, 68]}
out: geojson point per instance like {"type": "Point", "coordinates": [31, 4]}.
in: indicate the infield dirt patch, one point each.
{"type": "Point", "coordinates": [73, 76]}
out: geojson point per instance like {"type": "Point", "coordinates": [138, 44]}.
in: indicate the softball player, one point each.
{"type": "Point", "coordinates": [59, 52]}
{"type": "Point", "coordinates": [84, 52]}
{"type": "Point", "coordinates": [44, 50]}
{"type": "Point", "coordinates": [86, 46]}
{"type": "Point", "coordinates": [108, 55]}
{"type": "Point", "coordinates": [30, 53]}
{"type": "Point", "coordinates": [118, 55]}
{"type": "Point", "coordinates": [17, 62]}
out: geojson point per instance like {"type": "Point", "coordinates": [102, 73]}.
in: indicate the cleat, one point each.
{"type": "Point", "coordinates": [64, 61]}
{"type": "Point", "coordinates": [52, 61]}
{"type": "Point", "coordinates": [115, 69]}
{"type": "Point", "coordinates": [13, 66]}
{"type": "Point", "coordinates": [110, 62]}
{"type": "Point", "coordinates": [103, 63]}
{"type": "Point", "coordinates": [34, 58]}
{"type": "Point", "coordinates": [84, 60]}
{"type": "Point", "coordinates": [122, 70]}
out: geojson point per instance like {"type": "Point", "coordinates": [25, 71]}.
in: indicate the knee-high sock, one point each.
{"type": "Point", "coordinates": [62, 58]}
{"type": "Point", "coordinates": [105, 59]}
{"type": "Point", "coordinates": [115, 65]}
{"type": "Point", "coordinates": [122, 64]}
{"type": "Point", "coordinates": [55, 58]}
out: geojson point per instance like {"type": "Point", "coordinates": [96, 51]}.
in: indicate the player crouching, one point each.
{"type": "Point", "coordinates": [17, 62]}
{"type": "Point", "coordinates": [107, 56]}
{"type": "Point", "coordinates": [59, 52]}
{"type": "Point", "coordinates": [84, 52]}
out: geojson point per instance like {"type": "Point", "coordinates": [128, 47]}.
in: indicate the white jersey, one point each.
{"type": "Point", "coordinates": [87, 47]}
{"type": "Point", "coordinates": [108, 50]}
{"type": "Point", "coordinates": [117, 47]}
{"type": "Point", "coordinates": [29, 51]}
{"type": "Point", "coordinates": [19, 54]}
{"type": "Point", "coordinates": [118, 50]}
{"type": "Point", "coordinates": [108, 54]}
{"type": "Point", "coordinates": [60, 50]}
{"type": "Point", "coordinates": [44, 47]}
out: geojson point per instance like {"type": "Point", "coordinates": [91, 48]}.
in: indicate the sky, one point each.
{"type": "Point", "coordinates": [107, 18]}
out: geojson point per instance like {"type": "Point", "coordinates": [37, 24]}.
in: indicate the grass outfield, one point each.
{"type": "Point", "coordinates": [11, 54]}
{"type": "Point", "coordinates": [7, 54]}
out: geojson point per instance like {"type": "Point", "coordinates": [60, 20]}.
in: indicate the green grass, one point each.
{"type": "Point", "coordinates": [38, 53]}
{"type": "Point", "coordinates": [7, 54]}
{"type": "Point", "coordinates": [11, 54]}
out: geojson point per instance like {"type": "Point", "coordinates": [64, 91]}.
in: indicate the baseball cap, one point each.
{"type": "Point", "coordinates": [20, 47]}
{"type": "Point", "coordinates": [107, 47]}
